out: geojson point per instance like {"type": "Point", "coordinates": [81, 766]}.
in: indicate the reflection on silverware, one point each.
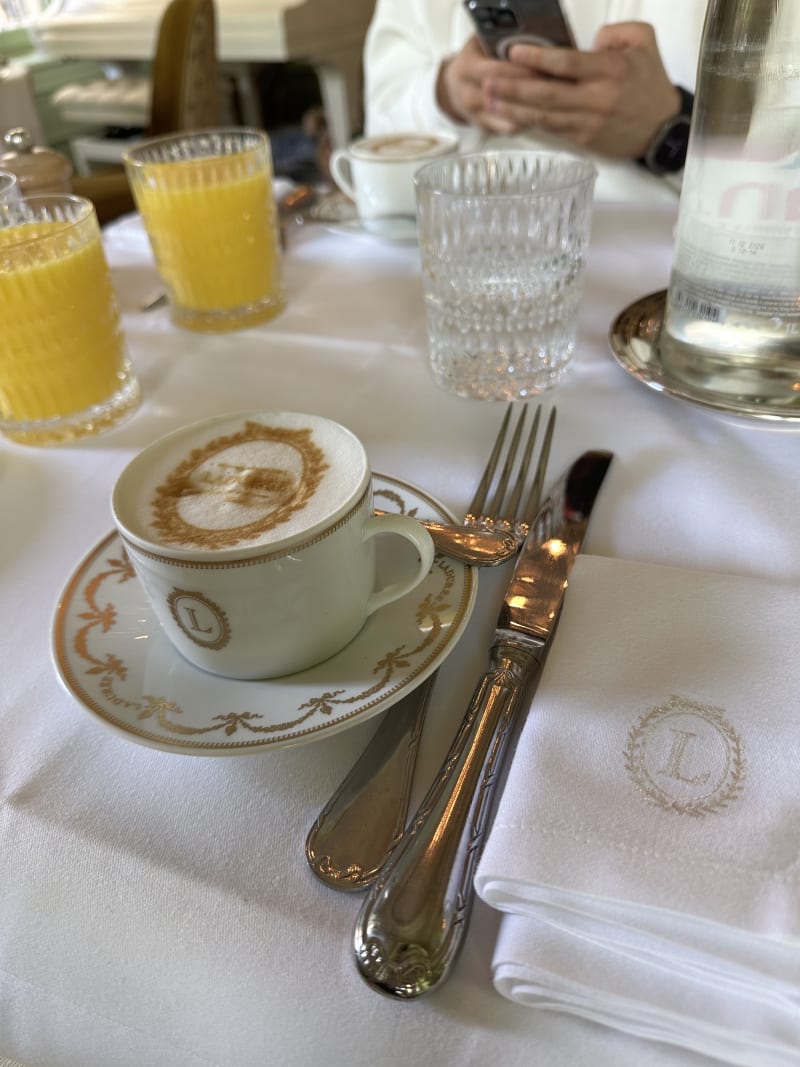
{"type": "Point", "coordinates": [473, 545]}
{"type": "Point", "coordinates": [366, 816]}
{"type": "Point", "coordinates": [489, 537]}
{"type": "Point", "coordinates": [414, 919]}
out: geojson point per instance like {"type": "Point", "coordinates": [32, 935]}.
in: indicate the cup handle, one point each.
{"type": "Point", "coordinates": [411, 530]}
{"type": "Point", "coordinates": [342, 172]}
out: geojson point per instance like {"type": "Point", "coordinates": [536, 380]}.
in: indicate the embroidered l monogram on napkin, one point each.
{"type": "Point", "coordinates": [686, 757]}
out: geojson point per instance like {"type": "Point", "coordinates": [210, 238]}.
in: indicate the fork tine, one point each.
{"type": "Point", "coordinates": [535, 495]}
{"type": "Point", "coordinates": [496, 507]}
{"type": "Point", "coordinates": [511, 509]}
{"type": "Point", "coordinates": [476, 508]}
{"type": "Point", "coordinates": [499, 514]}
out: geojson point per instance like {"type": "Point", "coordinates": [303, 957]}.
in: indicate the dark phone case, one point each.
{"type": "Point", "coordinates": [499, 23]}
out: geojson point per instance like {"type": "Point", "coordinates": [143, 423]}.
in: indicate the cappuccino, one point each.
{"type": "Point", "coordinates": [401, 146]}
{"type": "Point", "coordinates": [253, 537]}
{"type": "Point", "coordinates": [249, 480]}
{"type": "Point", "coordinates": [377, 173]}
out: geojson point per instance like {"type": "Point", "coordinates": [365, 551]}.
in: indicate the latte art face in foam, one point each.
{"type": "Point", "coordinates": [400, 146]}
{"type": "Point", "coordinates": [249, 482]}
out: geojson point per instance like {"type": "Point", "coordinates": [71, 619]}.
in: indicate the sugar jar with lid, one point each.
{"type": "Point", "coordinates": [38, 170]}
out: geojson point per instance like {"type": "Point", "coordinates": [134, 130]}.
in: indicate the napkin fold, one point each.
{"type": "Point", "coordinates": [647, 843]}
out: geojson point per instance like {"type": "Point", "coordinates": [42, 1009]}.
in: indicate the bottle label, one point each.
{"type": "Point", "coordinates": [739, 226]}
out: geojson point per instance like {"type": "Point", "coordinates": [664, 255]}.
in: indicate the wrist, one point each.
{"type": "Point", "coordinates": [666, 152]}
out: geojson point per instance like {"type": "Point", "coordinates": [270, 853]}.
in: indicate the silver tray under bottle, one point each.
{"type": "Point", "coordinates": [634, 339]}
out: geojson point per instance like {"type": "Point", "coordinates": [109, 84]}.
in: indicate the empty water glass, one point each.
{"type": "Point", "coordinates": [503, 238]}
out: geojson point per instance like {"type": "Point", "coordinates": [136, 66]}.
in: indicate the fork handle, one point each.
{"type": "Point", "coordinates": [478, 546]}
{"type": "Point", "coordinates": [414, 918]}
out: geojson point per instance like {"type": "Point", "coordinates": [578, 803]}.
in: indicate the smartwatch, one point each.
{"type": "Point", "coordinates": [666, 153]}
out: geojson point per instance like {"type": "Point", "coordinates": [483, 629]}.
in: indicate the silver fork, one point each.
{"type": "Point", "coordinates": [365, 817]}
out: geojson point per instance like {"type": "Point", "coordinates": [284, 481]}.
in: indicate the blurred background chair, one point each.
{"type": "Point", "coordinates": [185, 96]}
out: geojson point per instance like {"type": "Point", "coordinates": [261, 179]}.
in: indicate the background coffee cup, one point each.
{"type": "Point", "coordinates": [378, 173]}
{"type": "Point", "coordinates": [253, 538]}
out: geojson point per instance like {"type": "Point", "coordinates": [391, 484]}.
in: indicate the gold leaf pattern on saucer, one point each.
{"type": "Point", "coordinates": [115, 671]}
{"type": "Point", "coordinates": [112, 657]}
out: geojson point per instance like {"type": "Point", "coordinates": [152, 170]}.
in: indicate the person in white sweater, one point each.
{"type": "Point", "coordinates": [623, 96]}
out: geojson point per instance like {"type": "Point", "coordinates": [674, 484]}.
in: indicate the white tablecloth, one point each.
{"type": "Point", "coordinates": [156, 909]}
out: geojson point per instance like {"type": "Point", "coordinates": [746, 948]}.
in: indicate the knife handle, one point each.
{"type": "Point", "coordinates": [355, 831]}
{"type": "Point", "coordinates": [415, 916]}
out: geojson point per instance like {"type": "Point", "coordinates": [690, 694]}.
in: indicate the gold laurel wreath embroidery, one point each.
{"type": "Point", "coordinates": [634, 758]}
{"type": "Point", "coordinates": [114, 671]}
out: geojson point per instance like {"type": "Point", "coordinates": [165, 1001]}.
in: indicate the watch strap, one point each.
{"type": "Point", "coordinates": [666, 153]}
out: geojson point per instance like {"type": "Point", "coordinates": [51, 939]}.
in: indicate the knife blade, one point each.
{"type": "Point", "coordinates": [413, 921]}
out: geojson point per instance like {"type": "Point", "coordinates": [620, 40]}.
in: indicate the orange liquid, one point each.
{"type": "Point", "coordinates": [61, 346]}
{"type": "Point", "coordinates": [214, 235]}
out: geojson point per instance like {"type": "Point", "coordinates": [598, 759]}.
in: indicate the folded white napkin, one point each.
{"type": "Point", "coordinates": [647, 843]}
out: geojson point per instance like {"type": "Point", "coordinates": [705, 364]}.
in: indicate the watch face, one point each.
{"type": "Point", "coordinates": [669, 154]}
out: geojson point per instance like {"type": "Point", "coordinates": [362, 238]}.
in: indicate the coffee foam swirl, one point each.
{"type": "Point", "coordinates": [401, 146]}
{"type": "Point", "coordinates": [256, 483]}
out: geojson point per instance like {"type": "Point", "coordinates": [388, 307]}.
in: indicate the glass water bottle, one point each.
{"type": "Point", "coordinates": [732, 319]}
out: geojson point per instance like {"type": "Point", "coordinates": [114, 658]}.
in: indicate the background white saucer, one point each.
{"type": "Point", "coordinates": [339, 214]}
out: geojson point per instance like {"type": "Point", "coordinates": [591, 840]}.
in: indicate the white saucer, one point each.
{"type": "Point", "coordinates": [397, 229]}
{"type": "Point", "coordinates": [634, 338]}
{"type": "Point", "coordinates": [339, 214]}
{"type": "Point", "coordinates": [111, 655]}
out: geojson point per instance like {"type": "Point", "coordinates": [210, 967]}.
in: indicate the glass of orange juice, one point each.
{"type": "Point", "coordinates": [64, 366]}
{"type": "Point", "coordinates": [207, 202]}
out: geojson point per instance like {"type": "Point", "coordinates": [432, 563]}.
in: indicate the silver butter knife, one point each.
{"type": "Point", "coordinates": [414, 918]}
{"type": "Point", "coordinates": [355, 831]}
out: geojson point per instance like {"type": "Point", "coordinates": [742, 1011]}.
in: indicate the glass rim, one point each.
{"type": "Point", "coordinates": [18, 207]}
{"type": "Point", "coordinates": [131, 157]}
{"type": "Point", "coordinates": [589, 175]}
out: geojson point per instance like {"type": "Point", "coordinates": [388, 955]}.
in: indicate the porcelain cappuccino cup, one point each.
{"type": "Point", "coordinates": [377, 173]}
{"type": "Point", "coordinates": [253, 536]}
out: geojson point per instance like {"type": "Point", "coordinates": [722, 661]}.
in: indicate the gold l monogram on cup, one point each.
{"type": "Point", "coordinates": [207, 202]}
{"type": "Point", "coordinates": [253, 537]}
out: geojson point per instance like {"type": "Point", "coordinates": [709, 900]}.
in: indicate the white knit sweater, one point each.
{"type": "Point", "coordinates": [408, 39]}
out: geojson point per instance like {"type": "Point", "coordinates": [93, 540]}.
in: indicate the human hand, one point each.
{"type": "Point", "coordinates": [460, 87]}
{"type": "Point", "coordinates": [612, 100]}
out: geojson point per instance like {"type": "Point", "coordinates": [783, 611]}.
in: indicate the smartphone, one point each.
{"type": "Point", "coordinates": [501, 23]}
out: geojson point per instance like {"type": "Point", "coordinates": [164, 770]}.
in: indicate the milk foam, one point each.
{"type": "Point", "coordinates": [401, 146]}
{"type": "Point", "coordinates": [243, 481]}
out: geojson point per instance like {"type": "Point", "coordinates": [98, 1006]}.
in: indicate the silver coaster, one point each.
{"type": "Point", "coordinates": [634, 339]}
